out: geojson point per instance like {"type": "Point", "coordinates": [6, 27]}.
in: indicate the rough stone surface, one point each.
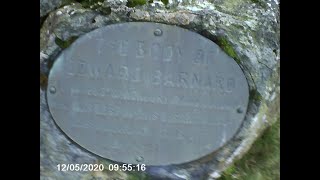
{"type": "Point", "coordinates": [247, 31]}
{"type": "Point", "coordinates": [48, 5]}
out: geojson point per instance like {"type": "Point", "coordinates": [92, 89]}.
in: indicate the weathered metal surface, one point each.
{"type": "Point", "coordinates": [147, 93]}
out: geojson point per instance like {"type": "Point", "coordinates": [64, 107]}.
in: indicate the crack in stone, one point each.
{"type": "Point", "coordinates": [265, 65]}
{"type": "Point", "coordinates": [247, 70]}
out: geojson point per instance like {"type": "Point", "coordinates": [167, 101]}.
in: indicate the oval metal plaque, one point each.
{"type": "Point", "coordinates": [147, 93]}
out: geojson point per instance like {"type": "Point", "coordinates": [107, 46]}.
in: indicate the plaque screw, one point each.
{"type": "Point", "coordinates": [239, 110]}
{"type": "Point", "coordinates": [52, 90]}
{"type": "Point", "coordinates": [139, 159]}
{"type": "Point", "coordinates": [158, 32]}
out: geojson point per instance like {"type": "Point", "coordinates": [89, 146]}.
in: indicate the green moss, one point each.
{"type": "Point", "coordinates": [133, 3]}
{"type": "Point", "coordinates": [66, 2]}
{"type": "Point", "coordinates": [165, 2]}
{"type": "Point", "coordinates": [255, 1]}
{"type": "Point", "coordinates": [64, 44]}
{"type": "Point", "coordinates": [255, 96]}
{"type": "Point", "coordinates": [230, 170]}
{"type": "Point", "coordinates": [232, 5]}
{"type": "Point", "coordinates": [260, 3]}
{"type": "Point", "coordinates": [225, 45]}
{"type": "Point", "coordinates": [262, 162]}
{"type": "Point", "coordinates": [105, 10]}
{"type": "Point", "coordinates": [43, 81]}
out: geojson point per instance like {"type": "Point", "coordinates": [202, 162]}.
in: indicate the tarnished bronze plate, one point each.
{"type": "Point", "coordinates": [147, 93]}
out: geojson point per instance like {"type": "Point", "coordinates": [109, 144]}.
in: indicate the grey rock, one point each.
{"type": "Point", "coordinates": [48, 5]}
{"type": "Point", "coordinates": [114, 3]}
{"type": "Point", "coordinates": [247, 31]}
